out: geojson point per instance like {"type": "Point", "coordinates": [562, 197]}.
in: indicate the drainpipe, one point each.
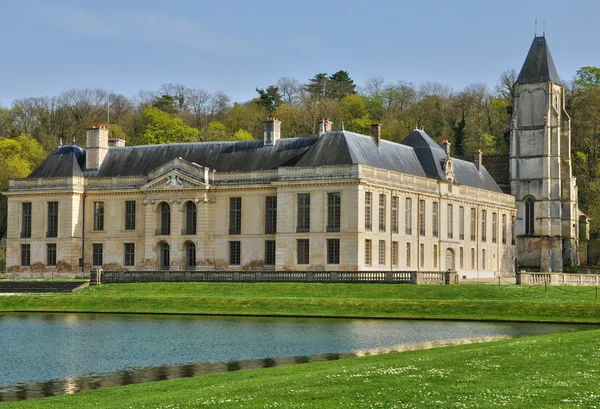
{"type": "Point", "coordinates": [419, 233]}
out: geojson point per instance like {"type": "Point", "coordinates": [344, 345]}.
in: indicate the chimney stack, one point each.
{"type": "Point", "coordinates": [376, 134]}
{"type": "Point", "coordinates": [96, 146]}
{"type": "Point", "coordinates": [325, 125]}
{"type": "Point", "coordinates": [272, 131]}
{"type": "Point", "coordinates": [478, 160]}
{"type": "Point", "coordinates": [446, 144]}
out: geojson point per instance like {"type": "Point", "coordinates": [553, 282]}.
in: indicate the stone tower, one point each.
{"type": "Point", "coordinates": [540, 166]}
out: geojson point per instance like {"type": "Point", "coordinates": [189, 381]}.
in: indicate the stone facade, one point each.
{"type": "Point", "coordinates": [540, 167]}
{"type": "Point", "coordinates": [202, 210]}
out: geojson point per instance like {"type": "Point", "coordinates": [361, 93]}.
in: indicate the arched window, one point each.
{"type": "Point", "coordinates": [165, 218]}
{"type": "Point", "coordinates": [529, 215]}
{"type": "Point", "coordinates": [190, 218]}
{"type": "Point", "coordinates": [165, 256]}
{"type": "Point", "coordinates": [190, 255]}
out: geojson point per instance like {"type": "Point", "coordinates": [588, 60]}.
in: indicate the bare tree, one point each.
{"type": "Point", "coordinates": [289, 89]}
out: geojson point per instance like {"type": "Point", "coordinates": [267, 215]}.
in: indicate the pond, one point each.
{"type": "Point", "coordinates": [53, 354]}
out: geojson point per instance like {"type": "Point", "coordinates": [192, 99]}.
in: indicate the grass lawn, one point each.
{"type": "Point", "coordinates": [550, 371]}
{"type": "Point", "coordinates": [473, 301]}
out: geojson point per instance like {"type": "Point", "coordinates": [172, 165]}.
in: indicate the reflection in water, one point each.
{"type": "Point", "coordinates": [100, 351]}
{"type": "Point", "coordinates": [160, 373]}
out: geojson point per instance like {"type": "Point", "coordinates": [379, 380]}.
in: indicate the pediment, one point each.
{"type": "Point", "coordinates": [174, 180]}
{"type": "Point", "coordinates": [190, 169]}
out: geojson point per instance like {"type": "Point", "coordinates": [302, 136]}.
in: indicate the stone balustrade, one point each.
{"type": "Point", "coordinates": [531, 278]}
{"type": "Point", "coordinates": [389, 277]}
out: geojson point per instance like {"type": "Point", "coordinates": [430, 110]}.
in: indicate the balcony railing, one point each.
{"type": "Point", "coordinates": [25, 234]}
{"type": "Point", "coordinates": [162, 232]}
{"type": "Point", "coordinates": [50, 234]}
{"type": "Point", "coordinates": [188, 232]}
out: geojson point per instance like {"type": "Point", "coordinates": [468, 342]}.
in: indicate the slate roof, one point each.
{"type": "Point", "coordinates": [539, 65]}
{"type": "Point", "coordinates": [431, 154]}
{"type": "Point", "coordinates": [66, 161]}
{"type": "Point", "coordinates": [417, 155]}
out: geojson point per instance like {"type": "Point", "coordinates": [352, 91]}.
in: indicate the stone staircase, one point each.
{"type": "Point", "coordinates": [40, 286]}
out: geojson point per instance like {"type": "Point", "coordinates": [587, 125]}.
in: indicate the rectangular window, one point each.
{"type": "Point", "coordinates": [51, 254]}
{"type": "Point", "coordinates": [97, 256]}
{"type": "Point", "coordinates": [483, 225]}
{"type": "Point", "coordinates": [333, 251]}
{"type": "Point", "coordinates": [98, 216]}
{"type": "Point", "coordinates": [129, 252]}
{"type": "Point", "coordinates": [473, 259]}
{"type": "Point", "coordinates": [381, 252]}
{"type": "Point", "coordinates": [473, 224]}
{"type": "Point", "coordinates": [494, 227]}
{"type": "Point", "coordinates": [407, 254]}
{"type": "Point", "coordinates": [382, 215]}
{"type": "Point", "coordinates": [435, 256]}
{"type": "Point", "coordinates": [271, 215]}
{"type": "Point", "coordinates": [512, 230]}
{"type": "Point", "coordinates": [503, 229]}
{"type": "Point", "coordinates": [462, 258]}
{"type": "Point", "coordinates": [367, 252]}
{"type": "Point", "coordinates": [235, 253]}
{"type": "Point", "coordinates": [52, 220]}
{"type": "Point", "coordinates": [461, 223]}
{"type": "Point", "coordinates": [302, 251]}
{"type": "Point", "coordinates": [436, 220]}
{"type": "Point", "coordinates": [26, 220]}
{"type": "Point", "coordinates": [303, 222]}
{"type": "Point", "coordinates": [483, 259]}
{"type": "Point", "coordinates": [408, 216]}
{"type": "Point", "coordinates": [130, 214]}
{"type": "Point", "coordinates": [422, 255]}
{"type": "Point", "coordinates": [334, 211]}
{"type": "Point", "coordinates": [394, 253]}
{"type": "Point", "coordinates": [235, 216]}
{"type": "Point", "coordinates": [269, 252]}
{"type": "Point", "coordinates": [25, 255]}
{"type": "Point", "coordinates": [368, 212]}
{"type": "Point", "coordinates": [394, 214]}
{"type": "Point", "coordinates": [422, 217]}
{"type": "Point", "coordinates": [450, 222]}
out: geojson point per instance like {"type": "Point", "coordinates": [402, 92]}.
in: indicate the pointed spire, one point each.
{"type": "Point", "coordinates": [539, 65]}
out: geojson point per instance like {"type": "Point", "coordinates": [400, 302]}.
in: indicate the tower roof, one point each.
{"type": "Point", "coordinates": [538, 66]}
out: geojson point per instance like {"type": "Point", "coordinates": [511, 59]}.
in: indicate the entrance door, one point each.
{"type": "Point", "coordinates": [450, 260]}
{"type": "Point", "coordinates": [165, 256]}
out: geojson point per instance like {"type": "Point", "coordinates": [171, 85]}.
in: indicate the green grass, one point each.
{"type": "Point", "coordinates": [473, 301]}
{"type": "Point", "coordinates": [550, 371]}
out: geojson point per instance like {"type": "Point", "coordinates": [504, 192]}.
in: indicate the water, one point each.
{"type": "Point", "coordinates": [51, 354]}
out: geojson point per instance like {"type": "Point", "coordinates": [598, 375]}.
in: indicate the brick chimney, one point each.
{"type": "Point", "coordinates": [376, 134]}
{"type": "Point", "coordinates": [272, 131]}
{"type": "Point", "coordinates": [446, 144]}
{"type": "Point", "coordinates": [478, 160]}
{"type": "Point", "coordinates": [325, 125]}
{"type": "Point", "coordinates": [96, 146]}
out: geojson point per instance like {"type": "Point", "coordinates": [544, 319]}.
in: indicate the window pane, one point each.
{"type": "Point", "coordinates": [129, 250]}
{"type": "Point", "coordinates": [381, 252]}
{"type": "Point", "coordinates": [303, 222]}
{"type": "Point", "coordinates": [51, 254]}
{"type": "Point", "coordinates": [422, 217]}
{"type": "Point", "coordinates": [382, 213]}
{"type": "Point", "coordinates": [271, 215]}
{"type": "Point", "coordinates": [234, 253]}
{"type": "Point", "coordinates": [302, 251]}
{"type": "Point", "coordinates": [367, 252]}
{"type": "Point", "coordinates": [25, 255]}
{"type": "Point", "coordinates": [333, 251]}
{"type": "Point", "coordinates": [52, 220]}
{"type": "Point", "coordinates": [395, 214]}
{"type": "Point", "coordinates": [97, 255]}
{"type": "Point", "coordinates": [333, 211]}
{"type": "Point", "coordinates": [235, 215]}
{"type": "Point", "coordinates": [368, 211]}
{"type": "Point", "coordinates": [26, 221]}
{"type": "Point", "coordinates": [98, 215]}
{"type": "Point", "coordinates": [435, 221]}
{"type": "Point", "coordinates": [408, 216]}
{"type": "Point", "coordinates": [270, 252]}
{"type": "Point", "coordinates": [130, 215]}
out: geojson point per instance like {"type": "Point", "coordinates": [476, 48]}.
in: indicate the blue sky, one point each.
{"type": "Point", "coordinates": [125, 46]}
